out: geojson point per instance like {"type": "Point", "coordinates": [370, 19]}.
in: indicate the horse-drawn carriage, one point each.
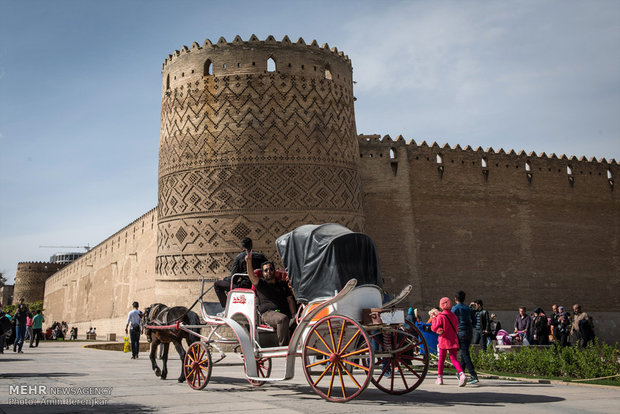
{"type": "Point", "coordinates": [345, 335]}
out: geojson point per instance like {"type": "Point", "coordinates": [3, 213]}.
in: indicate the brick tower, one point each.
{"type": "Point", "coordinates": [257, 138]}
{"type": "Point", "coordinates": [30, 279]}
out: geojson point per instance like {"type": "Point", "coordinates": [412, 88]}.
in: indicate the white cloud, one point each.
{"type": "Point", "coordinates": [531, 75]}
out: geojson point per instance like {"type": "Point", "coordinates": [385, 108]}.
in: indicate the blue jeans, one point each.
{"type": "Point", "coordinates": [20, 332]}
{"type": "Point", "coordinates": [464, 343]}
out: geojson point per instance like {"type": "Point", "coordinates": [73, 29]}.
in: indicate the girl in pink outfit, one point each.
{"type": "Point", "coordinates": [445, 324]}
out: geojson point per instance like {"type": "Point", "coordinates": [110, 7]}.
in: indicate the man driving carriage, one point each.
{"type": "Point", "coordinates": [222, 286]}
{"type": "Point", "coordinates": [276, 302]}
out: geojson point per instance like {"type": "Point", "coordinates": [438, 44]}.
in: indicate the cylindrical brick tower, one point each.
{"type": "Point", "coordinates": [257, 138]}
{"type": "Point", "coordinates": [30, 279]}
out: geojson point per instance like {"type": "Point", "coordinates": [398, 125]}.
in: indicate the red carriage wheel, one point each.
{"type": "Point", "coordinates": [338, 359]}
{"type": "Point", "coordinates": [402, 359]}
{"type": "Point", "coordinates": [197, 365]}
{"type": "Point", "coordinates": [263, 368]}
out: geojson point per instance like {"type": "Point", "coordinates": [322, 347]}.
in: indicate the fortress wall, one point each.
{"type": "Point", "coordinates": [491, 231]}
{"type": "Point", "coordinates": [98, 288]}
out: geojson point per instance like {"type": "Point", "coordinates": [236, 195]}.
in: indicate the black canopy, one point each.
{"type": "Point", "coordinates": [321, 259]}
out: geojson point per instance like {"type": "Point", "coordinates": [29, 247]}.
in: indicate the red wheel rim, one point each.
{"type": "Point", "coordinates": [197, 365]}
{"type": "Point", "coordinates": [338, 358]}
{"type": "Point", "coordinates": [401, 367]}
{"type": "Point", "coordinates": [263, 368]}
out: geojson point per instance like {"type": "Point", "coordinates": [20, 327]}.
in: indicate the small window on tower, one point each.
{"type": "Point", "coordinates": [271, 65]}
{"type": "Point", "coordinates": [208, 68]}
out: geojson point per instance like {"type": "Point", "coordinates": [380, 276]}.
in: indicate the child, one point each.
{"type": "Point", "coordinates": [445, 325]}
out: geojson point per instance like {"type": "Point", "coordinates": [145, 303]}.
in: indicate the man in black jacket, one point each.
{"type": "Point", "coordinates": [222, 286]}
{"type": "Point", "coordinates": [483, 325]}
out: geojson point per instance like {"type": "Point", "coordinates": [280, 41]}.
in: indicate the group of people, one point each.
{"type": "Point", "coordinates": [58, 330]}
{"type": "Point", "coordinates": [23, 325]}
{"type": "Point", "coordinates": [460, 326]}
{"type": "Point", "coordinates": [540, 329]}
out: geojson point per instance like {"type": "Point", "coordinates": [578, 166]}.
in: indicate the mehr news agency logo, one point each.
{"type": "Point", "coordinates": [27, 394]}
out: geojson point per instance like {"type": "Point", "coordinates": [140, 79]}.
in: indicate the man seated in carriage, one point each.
{"type": "Point", "coordinates": [276, 302]}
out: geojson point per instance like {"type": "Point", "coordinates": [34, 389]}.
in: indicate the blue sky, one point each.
{"type": "Point", "coordinates": [80, 91]}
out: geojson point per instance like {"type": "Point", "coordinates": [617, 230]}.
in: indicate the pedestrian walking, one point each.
{"type": "Point", "coordinates": [444, 324]}
{"type": "Point", "coordinates": [134, 319]}
{"type": "Point", "coordinates": [20, 329]}
{"type": "Point", "coordinates": [28, 326]}
{"type": "Point", "coordinates": [465, 332]}
{"type": "Point", "coordinates": [37, 329]}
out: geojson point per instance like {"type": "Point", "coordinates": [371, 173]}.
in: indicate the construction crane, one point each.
{"type": "Point", "coordinates": [87, 247]}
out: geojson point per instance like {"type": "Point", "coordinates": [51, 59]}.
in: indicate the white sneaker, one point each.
{"type": "Point", "coordinates": [462, 379]}
{"type": "Point", "coordinates": [439, 380]}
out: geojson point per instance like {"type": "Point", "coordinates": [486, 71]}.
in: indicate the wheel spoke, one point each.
{"type": "Point", "coordinates": [410, 369]}
{"type": "Point", "coordinates": [344, 390]}
{"type": "Point", "coordinates": [402, 376]}
{"type": "Point", "coordinates": [331, 351]}
{"type": "Point", "coordinates": [351, 376]}
{"type": "Point", "coordinates": [331, 380]}
{"type": "Point", "coordinates": [318, 350]}
{"type": "Point", "coordinates": [383, 371]}
{"type": "Point", "coordinates": [359, 351]}
{"type": "Point", "coordinates": [353, 364]}
{"type": "Point", "coordinates": [314, 364]}
{"type": "Point", "coordinates": [323, 374]}
{"type": "Point", "coordinates": [342, 330]}
{"type": "Point", "coordinates": [331, 335]}
{"type": "Point", "coordinates": [350, 340]}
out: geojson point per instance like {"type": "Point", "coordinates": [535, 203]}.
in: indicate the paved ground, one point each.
{"type": "Point", "coordinates": [133, 387]}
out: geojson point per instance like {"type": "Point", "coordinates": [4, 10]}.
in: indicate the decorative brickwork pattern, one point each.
{"type": "Point", "coordinates": [248, 152]}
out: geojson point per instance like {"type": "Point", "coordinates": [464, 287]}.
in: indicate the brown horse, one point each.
{"type": "Point", "coordinates": [160, 314]}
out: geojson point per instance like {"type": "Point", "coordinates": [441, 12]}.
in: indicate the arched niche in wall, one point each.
{"type": "Point", "coordinates": [208, 68]}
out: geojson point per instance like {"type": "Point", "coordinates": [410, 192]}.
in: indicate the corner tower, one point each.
{"type": "Point", "coordinates": [257, 138]}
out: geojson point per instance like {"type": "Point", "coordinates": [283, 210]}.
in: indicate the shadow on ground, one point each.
{"type": "Point", "coordinates": [472, 396]}
{"type": "Point", "coordinates": [67, 409]}
{"type": "Point", "coordinates": [40, 374]}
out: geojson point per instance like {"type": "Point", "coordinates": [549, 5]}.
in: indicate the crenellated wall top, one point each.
{"type": "Point", "coordinates": [256, 43]}
{"type": "Point", "coordinates": [38, 264]}
{"type": "Point", "coordinates": [374, 141]}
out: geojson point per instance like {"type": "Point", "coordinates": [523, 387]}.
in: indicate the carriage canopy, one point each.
{"type": "Point", "coordinates": [321, 259]}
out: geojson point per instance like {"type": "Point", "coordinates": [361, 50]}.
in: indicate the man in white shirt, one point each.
{"type": "Point", "coordinates": [134, 320]}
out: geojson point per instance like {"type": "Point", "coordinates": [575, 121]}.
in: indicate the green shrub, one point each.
{"type": "Point", "coordinates": [32, 307]}
{"type": "Point", "coordinates": [597, 360]}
